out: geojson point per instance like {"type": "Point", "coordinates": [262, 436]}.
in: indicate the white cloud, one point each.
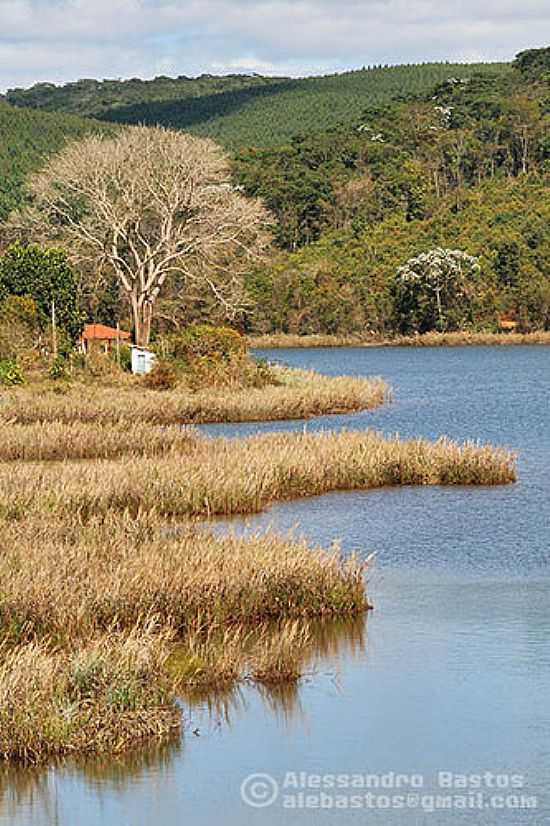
{"type": "Point", "coordinates": [59, 40]}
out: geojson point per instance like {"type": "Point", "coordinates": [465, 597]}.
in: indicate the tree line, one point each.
{"type": "Point", "coordinates": [167, 229]}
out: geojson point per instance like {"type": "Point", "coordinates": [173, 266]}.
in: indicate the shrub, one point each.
{"type": "Point", "coordinates": [163, 376]}
{"type": "Point", "coordinates": [125, 358]}
{"type": "Point", "coordinates": [44, 274]}
{"type": "Point", "coordinates": [58, 368]}
{"type": "Point", "coordinates": [203, 341]}
{"type": "Point", "coordinates": [18, 326]}
{"type": "Point", "coordinates": [10, 373]}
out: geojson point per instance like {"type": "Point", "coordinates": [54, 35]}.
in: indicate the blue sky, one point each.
{"type": "Point", "coordinates": [62, 40]}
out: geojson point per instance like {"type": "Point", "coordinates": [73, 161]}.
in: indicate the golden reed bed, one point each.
{"type": "Point", "coordinates": [298, 395]}
{"type": "Point", "coordinates": [456, 339]}
{"type": "Point", "coordinates": [114, 601]}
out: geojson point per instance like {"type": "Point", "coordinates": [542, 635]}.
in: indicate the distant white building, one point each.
{"type": "Point", "coordinates": [143, 360]}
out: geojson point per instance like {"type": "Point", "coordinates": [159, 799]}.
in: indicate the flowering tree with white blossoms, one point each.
{"type": "Point", "coordinates": [434, 290]}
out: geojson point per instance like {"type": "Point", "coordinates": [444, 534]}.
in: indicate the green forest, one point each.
{"type": "Point", "coordinates": [27, 139]}
{"type": "Point", "coordinates": [362, 172]}
{"type": "Point", "coordinates": [242, 110]}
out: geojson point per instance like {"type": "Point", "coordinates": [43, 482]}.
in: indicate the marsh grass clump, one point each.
{"type": "Point", "coordinates": [225, 477]}
{"type": "Point", "coordinates": [99, 697]}
{"type": "Point", "coordinates": [466, 338]}
{"type": "Point", "coordinates": [281, 657]}
{"type": "Point", "coordinates": [292, 395]}
{"type": "Point", "coordinates": [210, 658]}
{"type": "Point", "coordinates": [55, 441]}
{"type": "Point", "coordinates": [67, 581]}
{"type": "Point", "coordinates": [458, 338]}
{"type": "Point", "coordinates": [104, 623]}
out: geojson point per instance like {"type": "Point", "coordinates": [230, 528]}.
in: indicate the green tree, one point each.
{"type": "Point", "coordinates": [46, 276]}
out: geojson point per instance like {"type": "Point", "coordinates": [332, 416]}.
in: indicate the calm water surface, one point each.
{"type": "Point", "coordinates": [450, 672]}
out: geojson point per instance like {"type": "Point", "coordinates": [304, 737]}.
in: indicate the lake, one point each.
{"type": "Point", "coordinates": [448, 677]}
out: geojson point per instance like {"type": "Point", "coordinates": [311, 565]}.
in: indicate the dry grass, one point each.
{"type": "Point", "coordinates": [281, 657]}
{"type": "Point", "coordinates": [51, 441]}
{"type": "Point", "coordinates": [65, 580]}
{"type": "Point", "coordinates": [103, 623]}
{"type": "Point", "coordinates": [270, 341]}
{"type": "Point", "coordinates": [225, 477]}
{"type": "Point", "coordinates": [95, 698]}
{"type": "Point", "coordinates": [456, 339]}
{"type": "Point", "coordinates": [111, 602]}
{"type": "Point", "coordinates": [298, 395]}
{"type": "Point", "coordinates": [464, 339]}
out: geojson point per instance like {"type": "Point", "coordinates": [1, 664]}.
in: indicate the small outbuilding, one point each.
{"type": "Point", "coordinates": [507, 324]}
{"type": "Point", "coordinates": [102, 337]}
{"type": "Point", "coordinates": [143, 360]}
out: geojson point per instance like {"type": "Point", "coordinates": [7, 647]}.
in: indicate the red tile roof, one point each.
{"type": "Point", "coordinates": [103, 333]}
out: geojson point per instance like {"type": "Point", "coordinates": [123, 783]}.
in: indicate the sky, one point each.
{"type": "Point", "coordinates": [63, 40]}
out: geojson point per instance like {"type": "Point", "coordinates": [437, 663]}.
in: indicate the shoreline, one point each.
{"type": "Point", "coordinates": [298, 394]}
{"type": "Point", "coordinates": [458, 339]}
{"type": "Point", "coordinates": [114, 615]}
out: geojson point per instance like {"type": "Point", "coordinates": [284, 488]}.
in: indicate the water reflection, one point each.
{"type": "Point", "coordinates": [326, 645]}
{"type": "Point", "coordinates": [455, 674]}
{"type": "Point", "coordinates": [29, 792]}
{"type": "Point", "coordinates": [39, 796]}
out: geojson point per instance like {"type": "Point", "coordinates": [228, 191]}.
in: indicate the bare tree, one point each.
{"type": "Point", "coordinates": [148, 204]}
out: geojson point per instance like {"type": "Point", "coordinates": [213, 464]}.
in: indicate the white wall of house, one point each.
{"type": "Point", "coordinates": [143, 360]}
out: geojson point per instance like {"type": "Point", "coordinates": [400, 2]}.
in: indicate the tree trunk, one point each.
{"type": "Point", "coordinates": [142, 312]}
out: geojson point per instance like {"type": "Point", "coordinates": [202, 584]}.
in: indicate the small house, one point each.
{"type": "Point", "coordinates": [507, 324]}
{"type": "Point", "coordinates": [143, 360]}
{"type": "Point", "coordinates": [102, 337]}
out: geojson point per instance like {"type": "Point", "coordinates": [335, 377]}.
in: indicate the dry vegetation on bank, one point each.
{"type": "Point", "coordinates": [457, 339]}
{"type": "Point", "coordinates": [103, 623]}
{"type": "Point", "coordinates": [55, 440]}
{"type": "Point", "coordinates": [226, 477]}
{"type": "Point", "coordinates": [113, 601]}
{"type": "Point", "coordinates": [97, 697]}
{"type": "Point", "coordinates": [298, 395]}
{"type": "Point", "coordinates": [67, 580]}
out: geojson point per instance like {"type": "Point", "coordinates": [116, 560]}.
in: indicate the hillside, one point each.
{"type": "Point", "coordinates": [246, 110]}
{"type": "Point", "coordinates": [360, 171]}
{"type": "Point", "coordinates": [97, 98]}
{"type": "Point", "coordinates": [343, 282]}
{"type": "Point", "coordinates": [27, 138]}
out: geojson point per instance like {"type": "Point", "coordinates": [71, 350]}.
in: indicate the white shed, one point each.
{"type": "Point", "coordinates": [143, 360]}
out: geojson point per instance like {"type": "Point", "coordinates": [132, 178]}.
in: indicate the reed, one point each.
{"type": "Point", "coordinates": [100, 697]}
{"type": "Point", "coordinates": [65, 580]}
{"type": "Point", "coordinates": [103, 623]}
{"type": "Point", "coordinates": [281, 657]}
{"type": "Point", "coordinates": [269, 341]}
{"type": "Point", "coordinates": [298, 395]}
{"type": "Point", "coordinates": [51, 441]}
{"type": "Point", "coordinates": [225, 477]}
{"type": "Point", "coordinates": [464, 339]}
{"type": "Point", "coordinates": [433, 339]}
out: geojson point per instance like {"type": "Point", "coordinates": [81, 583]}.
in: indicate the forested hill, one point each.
{"type": "Point", "coordinates": [96, 98]}
{"type": "Point", "coordinates": [240, 110]}
{"type": "Point", "coordinates": [361, 172]}
{"type": "Point", "coordinates": [27, 139]}
{"type": "Point", "coordinates": [465, 167]}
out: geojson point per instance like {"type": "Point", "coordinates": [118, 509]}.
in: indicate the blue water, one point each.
{"type": "Point", "coordinates": [450, 673]}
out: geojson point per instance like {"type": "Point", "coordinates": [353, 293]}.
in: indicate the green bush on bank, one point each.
{"type": "Point", "coordinates": [10, 373]}
{"type": "Point", "coordinates": [205, 341]}
{"type": "Point", "coordinates": [207, 356]}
